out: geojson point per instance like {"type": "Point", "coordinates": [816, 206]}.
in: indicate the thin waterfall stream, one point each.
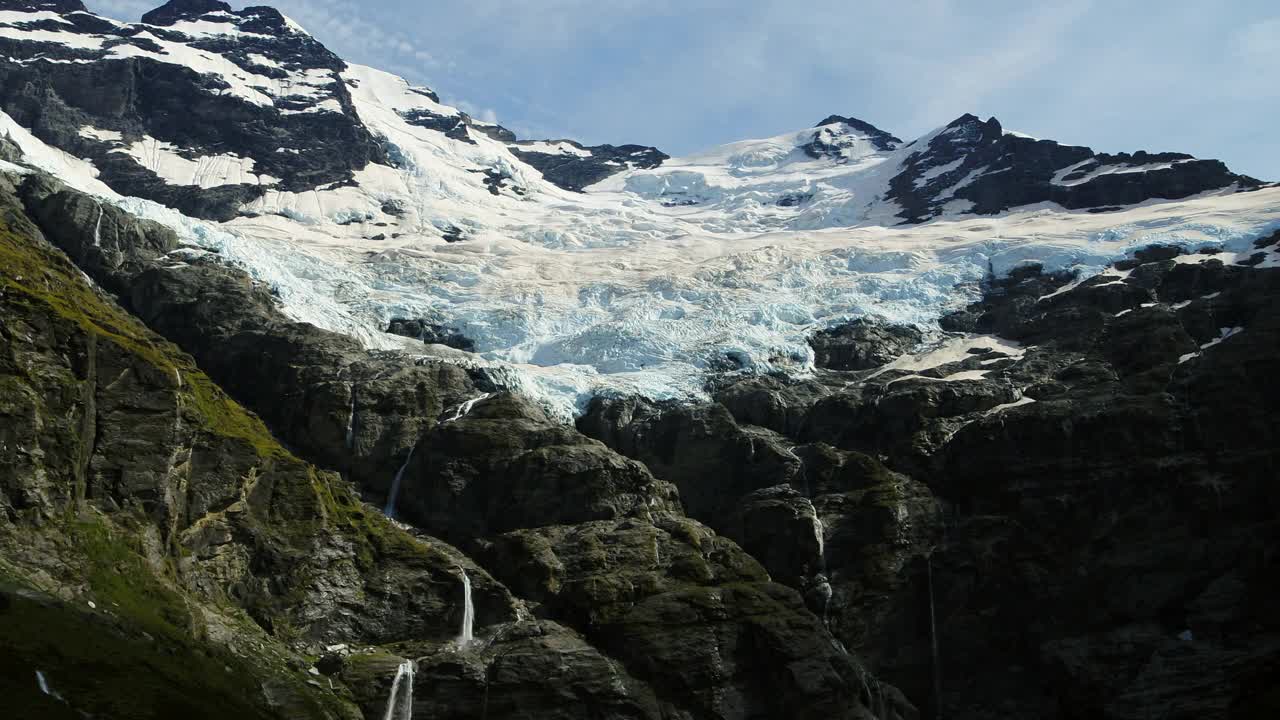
{"type": "Point", "coordinates": [401, 697]}
{"type": "Point", "coordinates": [467, 634]}
{"type": "Point", "coordinates": [390, 509]}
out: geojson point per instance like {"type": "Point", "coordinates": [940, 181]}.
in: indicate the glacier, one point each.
{"type": "Point", "coordinates": [647, 282]}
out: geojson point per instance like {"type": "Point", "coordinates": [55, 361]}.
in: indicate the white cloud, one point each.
{"type": "Point", "coordinates": [1257, 48]}
{"type": "Point", "coordinates": [1260, 39]}
{"type": "Point", "coordinates": [122, 9]}
{"type": "Point", "coordinates": [682, 75]}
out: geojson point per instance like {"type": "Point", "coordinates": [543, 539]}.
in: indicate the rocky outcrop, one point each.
{"type": "Point", "coordinates": [490, 471]}
{"type": "Point", "coordinates": [1059, 504]}
{"type": "Point", "coordinates": [681, 444]}
{"type": "Point", "coordinates": [531, 668]}
{"type": "Point", "coordinates": [977, 164]}
{"type": "Point", "coordinates": [176, 10]}
{"type": "Point", "coordinates": [837, 133]}
{"type": "Point", "coordinates": [575, 166]}
{"type": "Point", "coordinates": [691, 613]}
{"type": "Point", "coordinates": [344, 408]}
{"type": "Point", "coordinates": [862, 344]}
{"type": "Point", "coordinates": [430, 333]}
{"type": "Point", "coordinates": [1062, 502]}
{"type": "Point", "coordinates": [500, 463]}
{"type": "Point", "coordinates": [133, 487]}
{"type": "Point", "coordinates": [128, 92]}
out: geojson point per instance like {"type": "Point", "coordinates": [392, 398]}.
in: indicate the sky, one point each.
{"type": "Point", "coordinates": [1199, 77]}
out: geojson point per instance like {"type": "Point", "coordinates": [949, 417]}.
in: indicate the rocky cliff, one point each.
{"type": "Point", "coordinates": [150, 517]}
{"type": "Point", "coordinates": [322, 399]}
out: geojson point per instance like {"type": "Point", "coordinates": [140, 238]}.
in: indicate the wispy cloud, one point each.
{"type": "Point", "coordinates": [122, 9]}
{"type": "Point", "coordinates": [1169, 74]}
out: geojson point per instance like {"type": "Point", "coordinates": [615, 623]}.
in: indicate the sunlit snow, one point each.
{"type": "Point", "coordinates": [642, 283]}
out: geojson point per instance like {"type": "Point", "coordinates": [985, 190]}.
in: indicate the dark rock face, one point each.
{"type": "Point", "coordinates": [176, 10]}
{"type": "Point", "coordinates": [780, 527]}
{"type": "Point", "coordinates": [746, 648]}
{"type": "Point", "coordinates": [680, 444]}
{"type": "Point", "coordinates": [862, 345]}
{"type": "Point", "coordinates": [976, 162]}
{"type": "Point", "coordinates": [1077, 521]}
{"type": "Point", "coordinates": [453, 126]}
{"type": "Point", "coordinates": [1089, 520]}
{"type": "Point", "coordinates": [794, 199]}
{"type": "Point", "coordinates": [534, 668]}
{"type": "Point", "coordinates": [505, 465]}
{"type": "Point", "coordinates": [197, 114]}
{"type": "Point", "coordinates": [346, 409]}
{"type": "Point", "coordinates": [571, 169]}
{"type": "Point", "coordinates": [500, 181]}
{"type": "Point", "coordinates": [835, 133]}
{"type": "Point", "coordinates": [430, 333]}
{"type": "Point", "coordinates": [1158, 452]}
{"type": "Point", "coordinates": [591, 164]}
{"type": "Point", "coordinates": [58, 6]}
{"type": "Point", "coordinates": [699, 632]}
{"type": "Point", "coordinates": [133, 487]}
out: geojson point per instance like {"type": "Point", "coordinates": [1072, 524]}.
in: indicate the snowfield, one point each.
{"type": "Point", "coordinates": [728, 258]}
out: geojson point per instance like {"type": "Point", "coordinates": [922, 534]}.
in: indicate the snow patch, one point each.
{"type": "Point", "coordinates": [553, 148]}
{"type": "Point", "coordinates": [93, 133]}
{"type": "Point", "coordinates": [1224, 333]}
{"type": "Point", "coordinates": [212, 171]}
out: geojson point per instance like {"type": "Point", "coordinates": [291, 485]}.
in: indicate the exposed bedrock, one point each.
{"type": "Point", "coordinates": [1078, 487]}
{"type": "Point", "coordinates": [690, 625]}
{"type": "Point", "coordinates": [161, 552]}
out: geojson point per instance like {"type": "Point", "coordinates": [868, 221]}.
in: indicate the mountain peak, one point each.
{"type": "Point", "coordinates": [176, 10]}
{"type": "Point", "coordinates": [58, 6]}
{"type": "Point", "coordinates": [975, 124]}
{"type": "Point", "coordinates": [881, 139]}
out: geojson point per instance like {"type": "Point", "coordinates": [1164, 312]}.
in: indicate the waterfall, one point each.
{"type": "Point", "coordinates": [43, 683]}
{"type": "Point", "coordinates": [467, 635]}
{"type": "Point", "coordinates": [403, 673]}
{"type": "Point", "coordinates": [873, 691]}
{"type": "Point", "coordinates": [933, 644]}
{"type": "Point", "coordinates": [466, 407]}
{"type": "Point", "coordinates": [351, 420]}
{"type": "Point", "coordinates": [819, 534]}
{"type": "Point", "coordinates": [390, 509]}
{"type": "Point", "coordinates": [97, 228]}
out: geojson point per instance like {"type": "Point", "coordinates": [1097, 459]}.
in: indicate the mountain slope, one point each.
{"type": "Point", "coordinates": [824, 425]}
{"type": "Point", "coordinates": [362, 200]}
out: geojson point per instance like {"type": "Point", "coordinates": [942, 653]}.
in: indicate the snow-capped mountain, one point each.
{"type": "Point", "coordinates": [320, 398]}
{"type": "Point", "coordinates": [362, 200]}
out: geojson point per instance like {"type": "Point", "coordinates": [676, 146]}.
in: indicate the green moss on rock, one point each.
{"type": "Point", "coordinates": [33, 274]}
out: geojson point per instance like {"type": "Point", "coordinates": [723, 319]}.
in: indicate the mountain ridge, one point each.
{"type": "Point", "coordinates": [322, 399]}
{"type": "Point", "coordinates": [281, 146]}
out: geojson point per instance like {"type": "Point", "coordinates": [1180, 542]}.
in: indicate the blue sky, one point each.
{"type": "Point", "coordinates": [1199, 77]}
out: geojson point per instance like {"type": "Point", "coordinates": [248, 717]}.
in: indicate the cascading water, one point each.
{"type": "Point", "coordinates": [97, 228]}
{"type": "Point", "coordinates": [351, 420]}
{"type": "Point", "coordinates": [390, 509]}
{"type": "Point", "coordinates": [401, 693]}
{"type": "Point", "coordinates": [43, 682]}
{"type": "Point", "coordinates": [819, 534]}
{"type": "Point", "coordinates": [467, 634]}
{"type": "Point", "coordinates": [465, 407]}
